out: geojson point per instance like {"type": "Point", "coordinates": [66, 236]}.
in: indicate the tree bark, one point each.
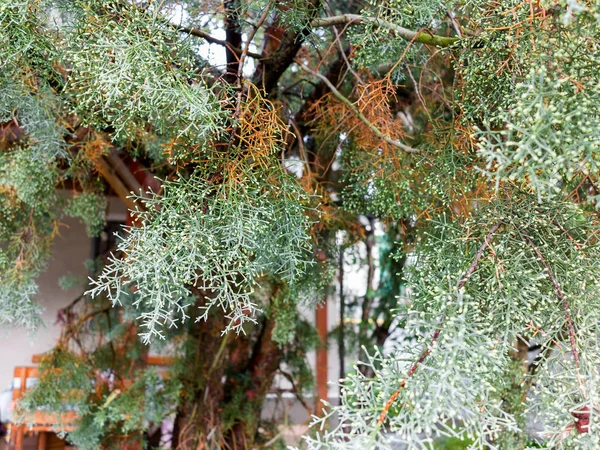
{"type": "Point", "coordinates": [198, 419]}
{"type": "Point", "coordinates": [263, 365]}
{"type": "Point", "coordinates": [280, 49]}
{"type": "Point", "coordinates": [233, 38]}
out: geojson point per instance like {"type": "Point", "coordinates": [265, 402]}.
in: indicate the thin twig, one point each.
{"type": "Point", "coordinates": [461, 283]}
{"type": "Point", "coordinates": [259, 24]}
{"type": "Point", "coordinates": [418, 91]}
{"type": "Point", "coordinates": [303, 154]}
{"type": "Point", "coordinates": [243, 56]}
{"type": "Point", "coordinates": [338, 40]}
{"type": "Point", "coordinates": [356, 111]}
{"type": "Point", "coordinates": [455, 25]}
{"type": "Point", "coordinates": [70, 331]}
{"type": "Point", "coordinates": [213, 40]}
{"type": "Point", "coordinates": [571, 238]}
{"type": "Point", "coordinates": [270, 442]}
{"type": "Point", "coordinates": [487, 241]}
{"type": "Point", "coordinates": [297, 392]}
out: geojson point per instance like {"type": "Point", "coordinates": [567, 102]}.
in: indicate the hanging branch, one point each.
{"type": "Point", "coordinates": [245, 51]}
{"type": "Point", "coordinates": [70, 331]}
{"type": "Point", "coordinates": [356, 111]}
{"type": "Point", "coordinates": [424, 37]}
{"type": "Point", "coordinates": [436, 334]}
{"type": "Point", "coordinates": [559, 293]}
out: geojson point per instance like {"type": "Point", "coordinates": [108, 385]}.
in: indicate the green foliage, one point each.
{"type": "Point", "coordinates": [28, 170]}
{"type": "Point", "coordinates": [59, 393]}
{"type": "Point", "coordinates": [18, 305]}
{"type": "Point", "coordinates": [24, 42]}
{"type": "Point", "coordinates": [130, 69]}
{"type": "Point", "coordinates": [487, 66]}
{"type": "Point", "coordinates": [30, 178]}
{"type": "Point", "coordinates": [26, 198]}
{"type": "Point", "coordinates": [451, 444]}
{"type": "Point", "coordinates": [286, 317]}
{"type": "Point", "coordinates": [518, 292]}
{"type": "Point", "coordinates": [36, 111]}
{"type": "Point", "coordinates": [480, 319]}
{"type": "Point", "coordinates": [377, 44]}
{"type": "Point", "coordinates": [239, 408]}
{"type": "Point", "coordinates": [91, 208]}
{"type": "Point", "coordinates": [381, 185]}
{"type": "Point", "coordinates": [305, 339]}
{"type": "Point", "coordinates": [102, 410]}
{"type": "Point", "coordinates": [297, 14]}
{"type": "Point", "coordinates": [512, 396]}
{"type": "Point", "coordinates": [535, 97]}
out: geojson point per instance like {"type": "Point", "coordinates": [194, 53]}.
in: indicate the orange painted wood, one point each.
{"type": "Point", "coordinates": [322, 375]}
{"type": "Point", "coordinates": [40, 421]}
{"type": "Point", "coordinates": [42, 440]}
{"type": "Point", "coordinates": [16, 437]}
{"type": "Point", "coordinates": [159, 360]}
{"type": "Point", "coordinates": [150, 360]}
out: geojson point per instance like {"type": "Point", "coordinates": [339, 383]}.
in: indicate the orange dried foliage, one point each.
{"type": "Point", "coordinates": [258, 134]}
{"type": "Point", "coordinates": [373, 100]}
{"type": "Point", "coordinates": [261, 131]}
{"type": "Point", "coordinates": [10, 194]}
{"type": "Point", "coordinates": [95, 146]}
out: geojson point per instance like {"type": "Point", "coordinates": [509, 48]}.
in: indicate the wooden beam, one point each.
{"type": "Point", "coordinates": [110, 175]}
{"type": "Point", "coordinates": [151, 360]}
{"type": "Point", "coordinates": [124, 173]}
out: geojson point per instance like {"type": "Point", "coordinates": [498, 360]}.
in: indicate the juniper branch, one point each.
{"type": "Point", "coordinates": [423, 37]}
{"type": "Point", "coordinates": [461, 283]}
{"type": "Point", "coordinates": [559, 293]}
{"type": "Point", "coordinates": [213, 40]}
{"type": "Point", "coordinates": [70, 331]}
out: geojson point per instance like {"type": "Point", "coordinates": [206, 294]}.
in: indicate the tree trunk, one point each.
{"type": "Point", "coordinates": [198, 419]}
{"type": "Point", "coordinates": [260, 372]}
{"type": "Point", "coordinates": [225, 383]}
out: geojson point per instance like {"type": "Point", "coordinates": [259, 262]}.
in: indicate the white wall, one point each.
{"type": "Point", "coordinates": [70, 249]}
{"type": "Point", "coordinates": [17, 345]}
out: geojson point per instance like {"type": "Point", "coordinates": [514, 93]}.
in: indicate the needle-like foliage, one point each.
{"type": "Point", "coordinates": [217, 239]}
